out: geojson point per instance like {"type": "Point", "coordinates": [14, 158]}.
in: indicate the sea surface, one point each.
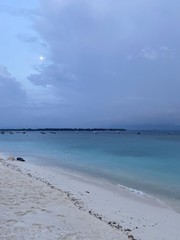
{"type": "Point", "coordinates": [147, 163]}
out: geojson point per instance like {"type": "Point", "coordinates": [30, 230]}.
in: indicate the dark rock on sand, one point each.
{"type": "Point", "coordinates": [131, 237]}
{"type": "Point", "coordinates": [20, 159]}
{"type": "Point", "coordinates": [127, 230]}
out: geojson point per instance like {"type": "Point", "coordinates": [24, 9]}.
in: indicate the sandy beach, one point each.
{"type": "Point", "coordinates": [42, 203]}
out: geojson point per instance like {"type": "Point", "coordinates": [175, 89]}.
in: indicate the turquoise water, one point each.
{"type": "Point", "coordinates": [149, 162]}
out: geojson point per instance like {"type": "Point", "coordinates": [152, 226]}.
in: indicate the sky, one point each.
{"type": "Point", "coordinates": [81, 63]}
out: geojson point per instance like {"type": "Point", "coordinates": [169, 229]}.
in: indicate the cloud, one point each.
{"type": "Point", "coordinates": [18, 12]}
{"type": "Point", "coordinates": [149, 54]}
{"type": "Point", "coordinates": [11, 92]}
{"type": "Point", "coordinates": [31, 39]}
{"type": "Point", "coordinates": [157, 54]}
{"type": "Point", "coordinates": [81, 33]}
{"type": "Point", "coordinates": [89, 42]}
{"type": "Point", "coordinates": [26, 38]}
{"type": "Point", "coordinates": [26, 107]}
{"type": "Point", "coordinates": [53, 74]}
{"type": "Point", "coordinates": [13, 102]}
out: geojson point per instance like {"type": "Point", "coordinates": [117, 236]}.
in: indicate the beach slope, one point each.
{"type": "Point", "coordinates": [30, 209]}
{"type": "Point", "coordinates": [38, 202]}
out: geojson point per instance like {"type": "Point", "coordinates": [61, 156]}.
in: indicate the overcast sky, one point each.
{"type": "Point", "coordinates": [82, 63]}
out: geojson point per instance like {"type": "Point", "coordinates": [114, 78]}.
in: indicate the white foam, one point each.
{"type": "Point", "coordinates": [138, 192]}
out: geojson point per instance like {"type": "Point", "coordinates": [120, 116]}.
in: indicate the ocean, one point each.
{"type": "Point", "coordinates": [145, 163]}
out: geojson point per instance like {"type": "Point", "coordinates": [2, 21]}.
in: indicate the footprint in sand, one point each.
{"type": "Point", "coordinates": [12, 221]}
{"type": "Point", "coordinates": [60, 215]}
{"type": "Point", "coordinates": [45, 210]}
{"type": "Point", "coordinates": [22, 213]}
{"type": "Point", "coordinates": [37, 225]}
{"type": "Point", "coordinates": [74, 236]}
{"type": "Point", "coordinates": [50, 228]}
{"type": "Point", "coordinates": [70, 237]}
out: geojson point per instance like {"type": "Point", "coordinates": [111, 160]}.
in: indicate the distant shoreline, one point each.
{"type": "Point", "coordinates": [62, 129]}
{"type": "Point", "coordinates": [85, 130]}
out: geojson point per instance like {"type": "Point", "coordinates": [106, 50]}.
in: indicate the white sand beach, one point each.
{"type": "Point", "coordinates": [42, 203]}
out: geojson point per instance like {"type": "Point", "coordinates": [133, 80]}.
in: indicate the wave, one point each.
{"type": "Point", "coordinates": [151, 198]}
{"type": "Point", "coordinates": [138, 192]}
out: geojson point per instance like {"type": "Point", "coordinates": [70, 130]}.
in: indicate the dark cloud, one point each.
{"type": "Point", "coordinates": [114, 61]}
{"type": "Point", "coordinates": [53, 73]}
{"type": "Point", "coordinates": [13, 100]}
{"type": "Point", "coordinates": [11, 92]}
{"type": "Point", "coordinates": [26, 38]}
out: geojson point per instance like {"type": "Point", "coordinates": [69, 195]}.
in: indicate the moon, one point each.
{"type": "Point", "coordinates": [41, 58]}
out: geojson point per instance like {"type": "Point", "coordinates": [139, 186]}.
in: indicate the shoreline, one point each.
{"type": "Point", "coordinates": [134, 216]}
{"type": "Point", "coordinates": [95, 178]}
{"type": "Point", "coordinates": [107, 183]}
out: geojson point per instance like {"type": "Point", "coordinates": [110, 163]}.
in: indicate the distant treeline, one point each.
{"type": "Point", "coordinates": [64, 129]}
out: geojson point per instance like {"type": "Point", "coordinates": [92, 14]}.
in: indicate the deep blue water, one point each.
{"type": "Point", "coordinates": [149, 162]}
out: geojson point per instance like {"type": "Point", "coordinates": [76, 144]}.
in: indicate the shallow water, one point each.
{"type": "Point", "coordinates": [149, 162]}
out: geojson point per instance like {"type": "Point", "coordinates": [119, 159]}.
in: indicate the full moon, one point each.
{"type": "Point", "coordinates": [41, 58]}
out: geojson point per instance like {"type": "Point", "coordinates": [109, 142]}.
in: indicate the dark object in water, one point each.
{"type": "Point", "coordinates": [20, 159]}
